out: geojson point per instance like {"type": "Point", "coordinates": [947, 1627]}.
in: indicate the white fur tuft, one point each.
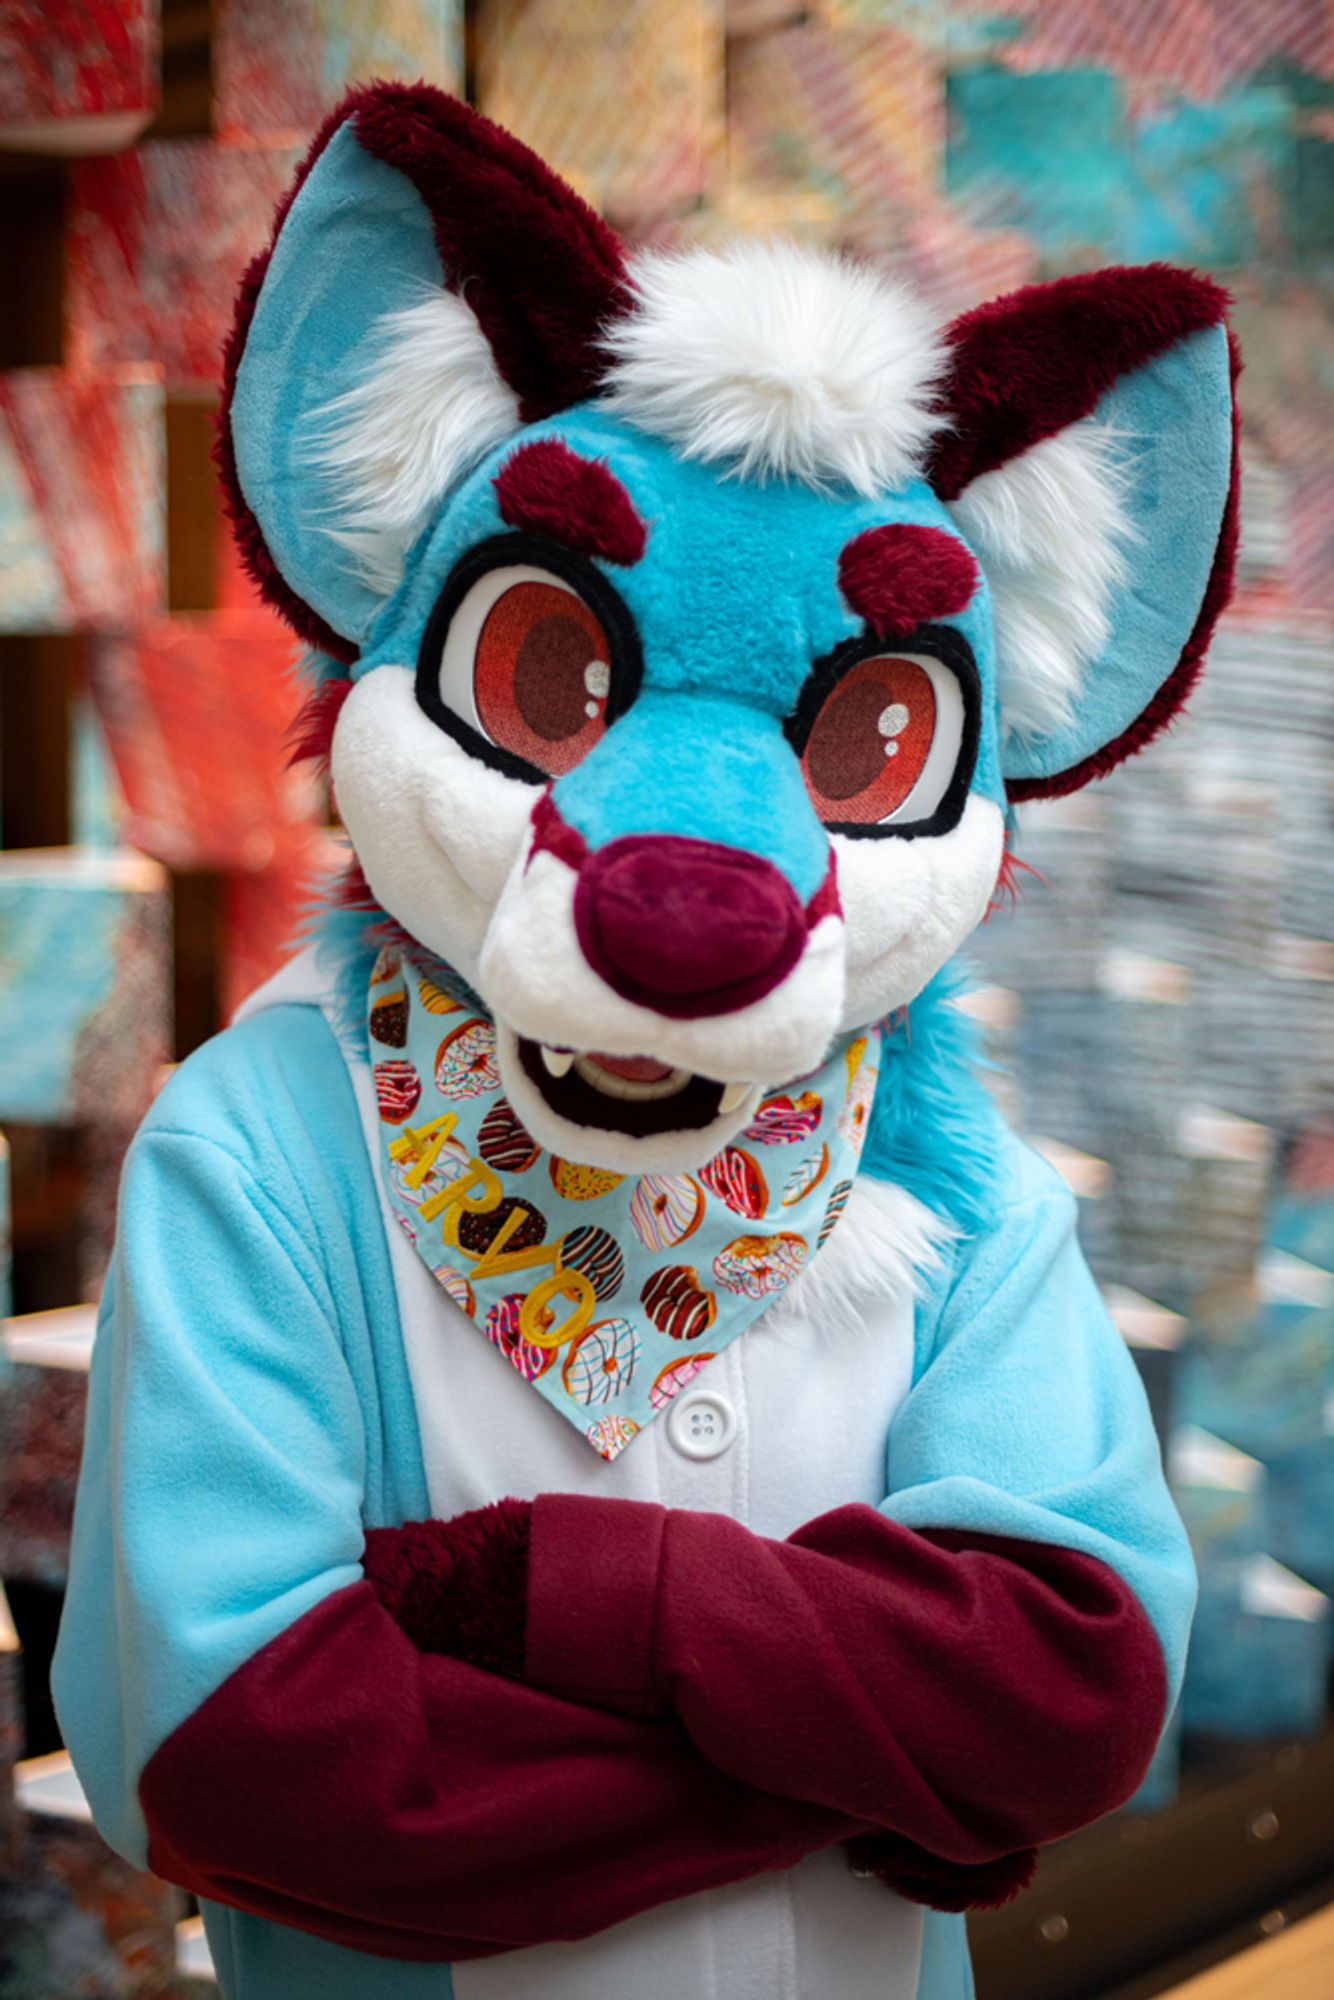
{"type": "Point", "coordinates": [1049, 530]}
{"type": "Point", "coordinates": [430, 405]}
{"type": "Point", "coordinates": [888, 1244]}
{"type": "Point", "coordinates": [783, 359]}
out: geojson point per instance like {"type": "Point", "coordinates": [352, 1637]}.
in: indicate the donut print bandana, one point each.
{"type": "Point", "coordinates": [607, 1292]}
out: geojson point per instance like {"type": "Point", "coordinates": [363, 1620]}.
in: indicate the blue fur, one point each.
{"type": "Point", "coordinates": [1174, 419]}
{"type": "Point", "coordinates": [934, 1129]}
{"type": "Point", "coordinates": [706, 767]}
{"type": "Point", "coordinates": [735, 600]}
{"type": "Point", "coordinates": [357, 243]}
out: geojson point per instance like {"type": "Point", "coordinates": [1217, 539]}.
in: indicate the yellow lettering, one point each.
{"type": "Point", "coordinates": [535, 1316]}
{"type": "Point", "coordinates": [431, 1137]}
{"type": "Point", "coordinates": [478, 1181]}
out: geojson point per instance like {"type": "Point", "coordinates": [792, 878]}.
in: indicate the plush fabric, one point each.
{"type": "Point", "coordinates": [1023, 366]}
{"type": "Point", "coordinates": [1176, 689]}
{"type": "Point", "coordinates": [543, 271]}
{"type": "Point", "coordinates": [404, 1794]}
{"type": "Point", "coordinates": [1027, 1418]}
{"type": "Point", "coordinates": [1054, 533]}
{"type": "Point", "coordinates": [458, 1587]}
{"type": "Point", "coordinates": [900, 576]}
{"type": "Point", "coordinates": [685, 926]}
{"type": "Point", "coordinates": [1146, 351]}
{"type": "Point", "coordinates": [312, 733]}
{"type": "Point", "coordinates": [250, 1303]}
{"type": "Point", "coordinates": [975, 1697]}
{"type": "Point", "coordinates": [548, 489]}
{"type": "Point", "coordinates": [975, 1701]}
{"type": "Point", "coordinates": [1175, 415]}
{"type": "Point", "coordinates": [408, 167]}
{"type": "Point", "coordinates": [781, 360]}
{"type": "Point", "coordinates": [943, 1885]}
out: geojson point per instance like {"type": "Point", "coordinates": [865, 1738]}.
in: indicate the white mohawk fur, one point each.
{"type": "Point", "coordinates": [1050, 530]}
{"type": "Point", "coordinates": [784, 360]}
{"type": "Point", "coordinates": [432, 403]}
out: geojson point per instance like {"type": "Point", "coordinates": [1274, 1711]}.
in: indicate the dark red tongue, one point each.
{"type": "Point", "coordinates": [633, 1069]}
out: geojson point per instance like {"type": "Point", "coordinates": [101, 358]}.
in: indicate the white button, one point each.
{"type": "Point", "coordinates": [702, 1424]}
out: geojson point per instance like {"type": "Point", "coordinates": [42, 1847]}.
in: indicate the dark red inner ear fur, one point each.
{"type": "Point", "coordinates": [902, 575]}
{"type": "Point", "coordinates": [550, 490]}
{"type": "Point", "coordinates": [1024, 367]}
{"type": "Point", "coordinates": [543, 274]}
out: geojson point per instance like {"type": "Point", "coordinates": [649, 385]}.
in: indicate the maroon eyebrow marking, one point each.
{"type": "Point", "coordinates": [550, 490]}
{"type": "Point", "coordinates": [901, 575]}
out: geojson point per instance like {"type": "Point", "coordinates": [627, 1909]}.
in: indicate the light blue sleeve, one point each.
{"type": "Point", "coordinates": [245, 1375]}
{"type": "Point", "coordinates": [1027, 1417]}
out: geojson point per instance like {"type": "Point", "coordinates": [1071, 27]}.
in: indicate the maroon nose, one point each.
{"type": "Point", "coordinates": [684, 926]}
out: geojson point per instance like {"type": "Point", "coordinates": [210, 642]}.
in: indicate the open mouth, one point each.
{"type": "Point", "coordinates": [637, 1095]}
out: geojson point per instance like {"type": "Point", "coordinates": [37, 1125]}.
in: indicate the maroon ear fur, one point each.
{"type": "Point", "coordinates": [1026, 365]}
{"type": "Point", "coordinates": [543, 275]}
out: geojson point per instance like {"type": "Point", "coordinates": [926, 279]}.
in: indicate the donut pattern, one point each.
{"type": "Point", "coordinates": [502, 1330]}
{"type": "Point", "coordinates": [786, 1121]}
{"type": "Point", "coordinates": [757, 1266]}
{"type": "Point", "coordinates": [677, 1303]}
{"type": "Point", "coordinates": [455, 1286]}
{"type": "Point", "coordinates": [610, 1435]}
{"type": "Point", "coordinates": [449, 1163]}
{"type": "Point", "coordinates": [806, 1175]}
{"type": "Point", "coordinates": [465, 1062]}
{"type": "Point", "coordinates": [389, 1018]}
{"type": "Point", "coordinates": [388, 962]}
{"type": "Point", "coordinates": [636, 1282]}
{"type": "Point", "coordinates": [398, 1090]}
{"type": "Point", "coordinates": [504, 1142]}
{"type": "Point", "coordinates": [665, 1209]}
{"type": "Point", "coordinates": [437, 999]}
{"type": "Point", "coordinates": [602, 1363]}
{"type": "Point", "coordinates": [672, 1379]}
{"type": "Point", "coordinates": [838, 1201]}
{"type": "Point", "coordinates": [574, 1183]}
{"type": "Point", "coordinates": [595, 1253]}
{"type": "Point", "coordinates": [477, 1232]}
{"type": "Point", "coordinates": [855, 1116]}
{"type": "Point", "coordinates": [735, 1177]}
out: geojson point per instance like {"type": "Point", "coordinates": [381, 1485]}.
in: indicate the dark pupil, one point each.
{"type": "Point", "coordinates": [550, 692]}
{"type": "Point", "coordinates": [846, 751]}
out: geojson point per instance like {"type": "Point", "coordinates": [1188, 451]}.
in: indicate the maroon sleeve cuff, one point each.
{"type": "Point", "coordinates": [593, 1570]}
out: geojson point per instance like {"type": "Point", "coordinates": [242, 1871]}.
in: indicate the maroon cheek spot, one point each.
{"type": "Point", "coordinates": [686, 927]}
{"type": "Point", "coordinates": [901, 576]}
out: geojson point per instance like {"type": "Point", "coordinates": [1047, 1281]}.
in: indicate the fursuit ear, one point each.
{"type": "Point", "coordinates": [430, 286]}
{"type": "Point", "coordinates": [1091, 465]}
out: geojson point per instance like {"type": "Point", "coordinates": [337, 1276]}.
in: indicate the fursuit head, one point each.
{"type": "Point", "coordinates": [691, 619]}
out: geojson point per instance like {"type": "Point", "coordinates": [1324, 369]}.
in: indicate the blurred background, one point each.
{"type": "Point", "coordinates": [1160, 1009]}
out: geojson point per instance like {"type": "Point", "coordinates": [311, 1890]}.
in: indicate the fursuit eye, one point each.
{"type": "Point", "coordinates": [527, 665]}
{"type": "Point", "coordinates": [883, 747]}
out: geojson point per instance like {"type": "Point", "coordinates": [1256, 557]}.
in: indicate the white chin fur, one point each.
{"type": "Point", "coordinates": [537, 979]}
{"type": "Point", "coordinates": [909, 904]}
{"type": "Point", "coordinates": [889, 1244]}
{"type": "Point", "coordinates": [618, 1152]}
{"type": "Point", "coordinates": [435, 830]}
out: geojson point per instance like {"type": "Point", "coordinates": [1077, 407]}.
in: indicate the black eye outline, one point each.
{"type": "Point", "coordinates": [583, 576]}
{"type": "Point", "coordinates": [941, 642]}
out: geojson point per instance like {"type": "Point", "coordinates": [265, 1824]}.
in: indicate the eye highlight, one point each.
{"type": "Point", "coordinates": [527, 662]}
{"type": "Point", "coordinates": [887, 734]}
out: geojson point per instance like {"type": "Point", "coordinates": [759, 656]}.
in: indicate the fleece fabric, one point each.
{"type": "Point", "coordinates": [281, 1385]}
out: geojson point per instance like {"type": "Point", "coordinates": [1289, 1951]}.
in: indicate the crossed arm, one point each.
{"type": "Point", "coordinates": [444, 1740]}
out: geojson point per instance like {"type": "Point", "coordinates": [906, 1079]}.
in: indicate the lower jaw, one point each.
{"type": "Point", "coordinates": [696, 1105]}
